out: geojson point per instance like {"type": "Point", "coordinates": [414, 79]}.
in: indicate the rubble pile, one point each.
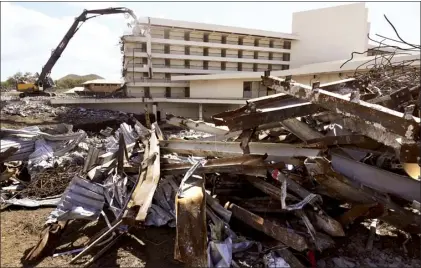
{"type": "Point", "coordinates": [70, 115]}
{"type": "Point", "coordinates": [278, 182]}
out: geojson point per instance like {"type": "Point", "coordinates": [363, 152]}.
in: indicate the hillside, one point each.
{"type": "Point", "coordinates": [74, 80]}
{"type": "Point", "coordinates": [80, 77]}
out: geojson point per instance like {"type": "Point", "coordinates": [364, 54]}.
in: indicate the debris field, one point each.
{"type": "Point", "coordinates": [320, 176]}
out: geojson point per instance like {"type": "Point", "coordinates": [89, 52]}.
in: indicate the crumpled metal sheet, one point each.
{"type": "Point", "coordinates": [29, 140]}
{"type": "Point", "coordinates": [188, 174]}
{"type": "Point", "coordinates": [115, 192]}
{"type": "Point", "coordinates": [130, 136]}
{"type": "Point", "coordinates": [81, 200]}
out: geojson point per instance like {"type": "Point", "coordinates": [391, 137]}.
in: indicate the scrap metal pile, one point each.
{"type": "Point", "coordinates": [271, 184]}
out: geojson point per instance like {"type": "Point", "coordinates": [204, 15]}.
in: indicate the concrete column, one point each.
{"type": "Point", "coordinates": [200, 111]}
{"type": "Point", "coordinates": [149, 47]}
{"type": "Point", "coordinates": [154, 111]}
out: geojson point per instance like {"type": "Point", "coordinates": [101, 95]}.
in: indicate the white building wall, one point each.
{"type": "Point", "coordinates": [329, 34]}
{"type": "Point", "coordinates": [180, 109]}
{"type": "Point", "coordinates": [218, 89]}
{"type": "Point", "coordinates": [177, 92]}
{"type": "Point", "coordinates": [137, 92]}
{"type": "Point", "coordinates": [157, 92]}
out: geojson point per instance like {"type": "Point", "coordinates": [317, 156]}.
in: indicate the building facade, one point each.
{"type": "Point", "coordinates": [175, 48]}
{"type": "Point", "coordinates": [196, 70]}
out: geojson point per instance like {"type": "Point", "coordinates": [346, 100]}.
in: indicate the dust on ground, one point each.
{"type": "Point", "coordinates": [20, 230]}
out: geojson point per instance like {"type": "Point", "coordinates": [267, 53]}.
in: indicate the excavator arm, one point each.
{"type": "Point", "coordinates": [44, 81]}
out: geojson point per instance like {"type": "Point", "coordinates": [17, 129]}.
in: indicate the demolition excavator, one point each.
{"type": "Point", "coordinates": [44, 82]}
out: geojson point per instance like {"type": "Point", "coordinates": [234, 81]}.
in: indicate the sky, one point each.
{"type": "Point", "coordinates": [30, 30]}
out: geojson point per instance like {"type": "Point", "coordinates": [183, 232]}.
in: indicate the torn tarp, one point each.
{"type": "Point", "coordinates": [223, 243]}
{"type": "Point", "coordinates": [162, 211]}
{"type": "Point", "coordinates": [42, 157]}
{"type": "Point", "coordinates": [272, 261]}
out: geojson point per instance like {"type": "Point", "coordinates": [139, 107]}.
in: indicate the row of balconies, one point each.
{"type": "Point", "coordinates": [223, 53]}
{"type": "Point", "coordinates": [136, 57]}
{"type": "Point", "coordinates": [224, 39]}
{"type": "Point", "coordinates": [231, 45]}
{"type": "Point", "coordinates": [137, 67]}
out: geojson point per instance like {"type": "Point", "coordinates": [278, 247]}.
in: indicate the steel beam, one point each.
{"type": "Point", "coordinates": [275, 151]}
{"type": "Point", "coordinates": [378, 179]}
{"type": "Point", "coordinates": [382, 118]}
{"type": "Point", "coordinates": [301, 130]}
{"type": "Point", "coordinates": [195, 125]}
{"type": "Point", "coordinates": [253, 165]}
{"type": "Point", "coordinates": [269, 115]}
{"type": "Point", "coordinates": [270, 228]}
{"type": "Point", "coordinates": [338, 140]}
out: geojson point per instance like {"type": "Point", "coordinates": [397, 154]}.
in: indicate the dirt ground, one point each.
{"type": "Point", "coordinates": [20, 231]}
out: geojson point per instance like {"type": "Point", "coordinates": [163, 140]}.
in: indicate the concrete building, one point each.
{"type": "Point", "coordinates": [102, 85]}
{"type": "Point", "coordinates": [196, 70]}
{"type": "Point", "coordinates": [247, 84]}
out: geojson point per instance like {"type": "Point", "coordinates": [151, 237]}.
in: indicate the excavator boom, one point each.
{"type": "Point", "coordinates": [44, 81]}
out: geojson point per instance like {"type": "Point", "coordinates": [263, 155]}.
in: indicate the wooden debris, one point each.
{"type": "Point", "coordinates": [191, 237]}
{"type": "Point", "coordinates": [282, 234]}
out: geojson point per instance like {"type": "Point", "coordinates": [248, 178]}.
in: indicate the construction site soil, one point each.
{"type": "Point", "coordinates": [20, 228]}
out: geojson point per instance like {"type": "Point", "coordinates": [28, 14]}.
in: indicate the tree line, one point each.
{"type": "Point", "coordinates": [65, 83]}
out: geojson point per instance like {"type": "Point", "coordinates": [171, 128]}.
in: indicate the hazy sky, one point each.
{"type": "Point", "coordinates": [29, 31]}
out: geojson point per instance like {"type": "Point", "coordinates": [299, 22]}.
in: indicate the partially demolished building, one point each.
{"type": "Point", "coordinates": [281, 177]}
{"type": "Point", "coordinates": [169, 49]}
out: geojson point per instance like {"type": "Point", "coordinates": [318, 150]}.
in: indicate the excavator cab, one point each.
{"type": "Point", "coordinates": [37, 88]}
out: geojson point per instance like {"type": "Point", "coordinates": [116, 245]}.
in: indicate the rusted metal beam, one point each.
{"type": "Point", "coordinates": [245, 138]}
{"type": "Point", "coordinates": [253, 165]}
{"type": "Point", "coordinates": [269, 115]}
{"type": "Point", "coordinates": [275, 151]}
{"type": "Point", "coordinates": [256, 103]}
{"type": "Point", "coordinates": [380, 117]}
{"type": "Point", "coordinates": [282, 234]}
{"type": "Point", "coordinates": [338, 140]}
{"type": "Point", "coordinates": [269, 189]}
{"type": "Point", "coordinates": [399, 97]}
{"type": "Point", "coordinates": [406, 149]}
{"type": "Point", "coordinates": [222, 212]}
{"type": "Point", "coordinates": [301, 130]}
{"type": "Point", "coordinates": [264, 204]}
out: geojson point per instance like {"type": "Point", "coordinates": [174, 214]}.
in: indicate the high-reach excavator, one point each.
{"type": "Point", "coordinates": [44, 81]}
